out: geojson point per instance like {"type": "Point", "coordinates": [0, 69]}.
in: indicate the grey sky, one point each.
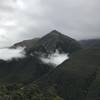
{"type": "Point", "coordinates": [24, 19]}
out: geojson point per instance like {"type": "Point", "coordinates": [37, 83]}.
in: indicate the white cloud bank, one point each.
{"type": "Point", "coordinates": [55, 58]}
{"type": "Point", "coordinates": [7, 54]}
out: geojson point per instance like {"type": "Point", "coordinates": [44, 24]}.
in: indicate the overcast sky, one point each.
{"type": "Point", "coordinates": [24, 19]}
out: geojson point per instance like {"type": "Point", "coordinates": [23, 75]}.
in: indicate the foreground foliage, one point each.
{"type": "Point", "coordinates": [19, 92]}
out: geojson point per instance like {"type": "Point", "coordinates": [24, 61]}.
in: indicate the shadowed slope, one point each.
{"type": "Point", "coordinates": [78, 78]}
{"type": "Point", "coordinates": [27, 69]}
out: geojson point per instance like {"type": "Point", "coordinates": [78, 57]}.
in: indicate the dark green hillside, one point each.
{"type": "Point", "coordinates": [22, 70]}
{"type": "Point", "coordinates": [78, 78]}
{"type": "Point", "coordinates": [31, 68]}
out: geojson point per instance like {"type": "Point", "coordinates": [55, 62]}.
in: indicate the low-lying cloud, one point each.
{"type": "Point", "coordinates": [7, 54]}
{"type": "Point", "coordinates": [55, 58]}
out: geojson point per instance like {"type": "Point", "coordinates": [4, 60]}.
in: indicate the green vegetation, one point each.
{"type": "Point", "coordinates": [79, 77]}
{"type": "Point", "coordinates": [19, 92]}
{"type": "Point", "coordinates": [76, 79]}
{"type": "Point", "coordinates": [22, 70]}
{"type": "Point", "coordinates": [31, 68]}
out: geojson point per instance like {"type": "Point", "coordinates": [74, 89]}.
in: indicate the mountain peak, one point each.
{"type": "Point", "coordinates": [55, 40]}
{"type": "Point", "coordinates": [55, 32]}
{"type": "Point", "coordinates": [51, 42]}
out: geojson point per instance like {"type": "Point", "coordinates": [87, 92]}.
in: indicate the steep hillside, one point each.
{"type": "Point", "coordinates": [50, 47]}
{"type": "Point", "coordinates": [78, 78]}
{"type": "Point", "coordinates": [23, 70]}
{"type": "Point", "coordinates": [31, 68]}
{"type": "Point", "coordinates": [56, 41]}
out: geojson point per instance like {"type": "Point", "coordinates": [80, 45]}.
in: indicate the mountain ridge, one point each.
{"type": "Point", "coordinates": [32, 64]}
{"type": "Point", "coordinates": [50, 42]}
{"type": "Point", "coordinates": [55, 40]}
